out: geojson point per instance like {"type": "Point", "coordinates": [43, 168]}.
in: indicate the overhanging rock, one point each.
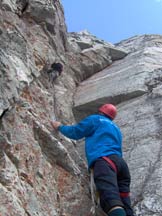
{"type": "Point", "coordinates": [123, 80]}
{"type": "Point", "coordinates": [84, 41]}
{"type": "Point", "coordinates": [134, 84]}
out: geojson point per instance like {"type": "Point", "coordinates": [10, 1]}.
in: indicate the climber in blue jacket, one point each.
{"type": "Point", "coordinates": [103, 147]}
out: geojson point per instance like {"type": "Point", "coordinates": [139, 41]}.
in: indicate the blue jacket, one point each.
{"type": "Point", "coordinates": [102, 136]}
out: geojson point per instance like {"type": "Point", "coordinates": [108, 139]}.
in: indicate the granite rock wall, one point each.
{"type": "Point", "coordinates": [41, 171]}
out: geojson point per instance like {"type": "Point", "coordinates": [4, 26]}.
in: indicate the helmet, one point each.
{"type": "Point", "coordinates": [109, 110]}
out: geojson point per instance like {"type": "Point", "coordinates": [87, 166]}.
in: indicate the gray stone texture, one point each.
{"type": "Point", "coordinates": [134, 84]}
{"type": "Point", "coordinates": [42, 172]}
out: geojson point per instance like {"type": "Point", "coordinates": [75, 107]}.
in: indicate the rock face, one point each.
{"type": "Point", "coordinates": [38, 175]}
{"type": "Point", "coordinates": [42, 172]}
{"type": "Point", "coordinates": [134, 84]}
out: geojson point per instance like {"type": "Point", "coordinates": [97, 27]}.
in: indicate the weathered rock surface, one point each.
{"type": "Point", "coordinates": [41, 172]}
{"type": "Point", "coordinates": [124, 79]}
{"type": "Point", "coordinates": [84, 40]}
{"type": "Point", "coordinates": [134, 84]}
{"type": "Point", "coordinates": [27, 43]}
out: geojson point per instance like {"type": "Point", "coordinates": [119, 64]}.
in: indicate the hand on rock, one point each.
{"type": "Point", "coordinates": [55, 124]}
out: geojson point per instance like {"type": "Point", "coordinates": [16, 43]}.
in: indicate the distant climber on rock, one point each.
{"type": "Point", "coordinates": [103, 146]}
{"type": "Point", "coordinates": [55, 71]}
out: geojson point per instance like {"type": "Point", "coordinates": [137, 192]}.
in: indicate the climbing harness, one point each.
{"type": "Point", "coordinates": [111, 163]}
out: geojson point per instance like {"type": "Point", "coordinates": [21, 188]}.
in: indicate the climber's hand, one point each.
{"type": "Point", "coordinates": [55, 124]}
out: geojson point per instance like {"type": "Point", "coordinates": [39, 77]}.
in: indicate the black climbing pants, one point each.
{"type": "Point", "coordinates": [113, 187]}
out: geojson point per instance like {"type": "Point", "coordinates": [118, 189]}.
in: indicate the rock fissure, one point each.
{"type": "Point", "coordinates": [155, 80]}
{"type": "Point", "coordinates": [44, 173]}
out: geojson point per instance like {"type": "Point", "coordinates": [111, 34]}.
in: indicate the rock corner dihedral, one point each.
{"type": "Point", "coordinates": [41, 172]}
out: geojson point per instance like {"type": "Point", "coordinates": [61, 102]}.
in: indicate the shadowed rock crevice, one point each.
{"type": "Point", "coordinates": [134, 85]}
{"type": "Point", "coordinates": [3, 113]}
{"type": "Point", "coordinates": [92, 106]}
{"type": "Point", "coordinates": [41, 171]}
{"type": "Point", "coordinates": [154, 81]}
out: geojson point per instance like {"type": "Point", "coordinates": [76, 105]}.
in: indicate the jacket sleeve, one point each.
{"type": "Point", "coordinates": [83, 129]}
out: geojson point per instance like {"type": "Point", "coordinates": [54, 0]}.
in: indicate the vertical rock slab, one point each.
{"type": "Point", "coordinates": [38, 174]}
{"type": "Point", "coordinates": [134, 84]}
{"type": "Point", "coordinates": [30, 39]}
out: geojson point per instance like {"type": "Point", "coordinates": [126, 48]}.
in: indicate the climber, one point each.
{"type": "Point", "coordinates": [55, 71]}
{"type": "Point", "coordinates": [103, 145]}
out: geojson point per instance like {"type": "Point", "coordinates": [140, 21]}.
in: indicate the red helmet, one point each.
{"type": "Point", "coordinates": [109, 110]}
